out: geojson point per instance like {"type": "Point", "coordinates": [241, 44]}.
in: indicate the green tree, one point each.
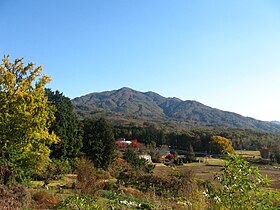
{"type": "Point", "coordinates": [241, 187]}
{"type": "Point", "coordinates": [131, 155]}
{"type": "Point", "coordinates": [99, 142]}
{"type": "Point", "coordinates": [66, 126]}
{"type": "Point", "coordinates": [190, 156]}
{"type": "Point", "coordinates": [25, 117]}
{"type": "Point", "coordinates": [220, 145]}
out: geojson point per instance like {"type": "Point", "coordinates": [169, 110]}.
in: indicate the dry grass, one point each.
{"type": "Point", "coordinates": [206, 170]}
{"type": "Point", "coordinates": [248, 153]}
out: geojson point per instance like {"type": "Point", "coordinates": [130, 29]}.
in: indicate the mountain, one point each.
{"type": "Point", "coordinates": [275, 122]}
{"type": "Point", "coordinates": [128, 105]}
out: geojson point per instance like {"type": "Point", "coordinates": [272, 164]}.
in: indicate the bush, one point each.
{"type": "Point", "coordinates": [6, 175]}
{"type": "Point", "coordinates": [89, 179]}
{"type": "Point", "coordinates": [131, 155]}
{"type": "Point", "coordinates": [85, 202]}
{"type": "Point", "coordinates": [44, 200]}
{"type": "Point", "coordinates": [118, 201]}
{"type": "Point", "coordinates": [241, 187]}
{"type": "Point", "coordinates": [55, 170]}
{"type": "Point", "coordinates": [14, 197]}
{"type": "Point", "coordinates": [118, 166]}
{"type": "Point", "coordinates": [178, 184]}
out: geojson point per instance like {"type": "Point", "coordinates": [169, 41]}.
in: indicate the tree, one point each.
{"type": "Point", "coordinates": [276, 152]}
{"type": "Point", "coordinates": [131, 155]}
{"type": "Point", "coordinates": [135, 144]}
{"type": "Point", "coordinates": [99, 142]}
{"type": "Point", "coordinates": [25, 117]}
{"type": "Point", "coordinates": [220, 145]}
{"type": "Point", "coordinates": [241, 187]}
{"type": "Point", "coordinates": [66, 126]}
{"type": "Point", "coordinates": [264, 152]}
{"type": "Point", "coordinates": [190, 156]}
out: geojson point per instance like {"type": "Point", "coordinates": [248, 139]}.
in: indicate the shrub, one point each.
{"type": "Point", "coordinates": [43, 200]}
{"type": "Point", "coordinates": [90, 179]}
{"type": "Point", "coordinates": [241, 187]}
{"type": "Point", "coordinates": [85, 202]}
{"type": "Point", "coordinates": [118, 166]}
{"type": "Point", "coordinates": [14, 197]}
{"type": "Point", "coordinates": [6, 175]}
{"type": "Point", "coordinates": [162, 185]}
{"type": "Point", "coordinates": [118, 201]}
{"type": "Point", "coordinates": [264, 152]}
{"type": "Point", "coordinates": [55, 170]}
{"type": "Point", "coordinates": [131, 155]}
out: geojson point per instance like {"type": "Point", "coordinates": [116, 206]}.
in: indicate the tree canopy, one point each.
{"type": "Point", "coordinates": [66, 125]}
{"type": "Point", "coordinates": [220, 145]}
{"type": "Point", "coordinates": [25, 117]}
{"type": "Point", "coordinates": [99, 142]}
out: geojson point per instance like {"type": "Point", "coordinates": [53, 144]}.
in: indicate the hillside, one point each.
{"type": "Point", "coordinates": [125, 105]}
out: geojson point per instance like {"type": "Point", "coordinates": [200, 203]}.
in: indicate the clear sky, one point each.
{"type": "Point", "coordinates": [224, 54]}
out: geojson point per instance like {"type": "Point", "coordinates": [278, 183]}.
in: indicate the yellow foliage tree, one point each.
{"type": "Point", "coordinates": [220, 145]}
{"type": "Point", "coordinates": [25, 116]}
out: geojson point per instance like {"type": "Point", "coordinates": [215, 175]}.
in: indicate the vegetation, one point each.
{"type": "Point", "coordinates": [131, 155]}
{"type": "Point", "coordinates": [127, 105]}
{"type": "Point", "coordinates": [25, 117]}
{"type": "Point", "coordinates": [99, 142]}
{"type": "Point", "coordinates": [241, 187]}
{"type": "Point", "coordinates": [66, 125]}
{"type": "Point", "coordinates": [220, 145]}
{"type": "Point", "coordinates": [42, 141]}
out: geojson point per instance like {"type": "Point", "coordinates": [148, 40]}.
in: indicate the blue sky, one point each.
{"type": "Point", "coordinates": [225, 54]}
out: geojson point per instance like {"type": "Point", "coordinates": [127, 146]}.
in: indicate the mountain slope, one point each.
{"type": "Point", "coordinates": [129, 104]}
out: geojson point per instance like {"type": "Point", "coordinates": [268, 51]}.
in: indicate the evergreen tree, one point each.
{"type": "Point", "coordinates": [99, 142]}
{"type": "Point", "coordinates": [66, 126]}
{"type": "Point", "coordinates": [190, 156]}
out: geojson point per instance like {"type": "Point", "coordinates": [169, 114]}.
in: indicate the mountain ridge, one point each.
{"type": "Point", "coordinates": [130, 104]}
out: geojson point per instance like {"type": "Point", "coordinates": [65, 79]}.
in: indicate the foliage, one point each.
{"type": "Point", "coordinates": [44, 199]}
{"type": "Point", "coordinates": [131, 155]}
{"type": "Point", "coordinates": [6, 175]}
{"type": "Point", "coordinates": [176, 184]}
{"type": "Point", "coordinates": [85, 202]}
{"type": "Point", "coordinates": [190, 156]}
{"type": "Point", "coordinates": [198, 138]}
{"type": "Point", "coordinates": [56, 169]}
{"type": "Point", "coordinates": [66, 126]}
{"type": "Point", "coordinates": [241, 187]}
{"type": "Point", "coordinates": [135, 144]}
{"type": "Point", "coordinates": [99, 142]}
{"type": "Point", "coordinates": [220, 145]}
{"type": "Point", "coordinates": [118, 201]}
{"type": "Point", "coordinates": [264, 152]}
{"type": "Point", "coordinates": [90, 179]}
{"type": "Point", "coordinates": [25, 117]}
{"type": "Point", "coordinates": [118, 166]}
{"type": "Point", "coordinates": [276, 153]}
{"type": "Point", "coordinates": [14, 197]}
{"type": "Point", "coordinates": [110, 200]}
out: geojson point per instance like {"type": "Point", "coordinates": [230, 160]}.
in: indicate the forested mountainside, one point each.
{"type": "Point", "coordinates": [128, 105]}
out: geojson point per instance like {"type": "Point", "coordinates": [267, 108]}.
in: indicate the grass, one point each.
{"type": "Point", "coordinates": [248, 153]}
